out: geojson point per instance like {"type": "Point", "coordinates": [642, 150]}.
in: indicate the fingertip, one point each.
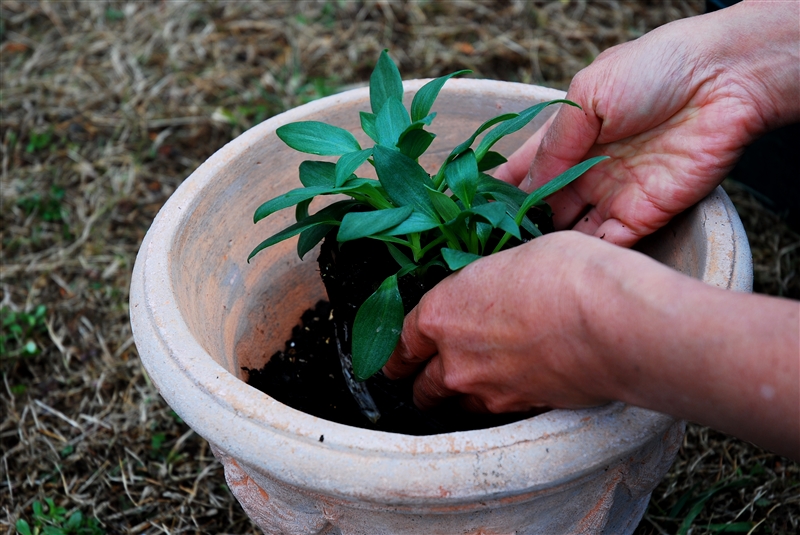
{"type": "Point", "coordinates": [614, 231]}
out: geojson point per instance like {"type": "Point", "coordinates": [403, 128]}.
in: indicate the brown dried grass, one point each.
{"type": "Point", "coordinates": [136, 95]}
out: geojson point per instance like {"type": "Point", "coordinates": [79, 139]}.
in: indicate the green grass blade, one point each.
{"type": "Point", "coordinates": [377, 329]}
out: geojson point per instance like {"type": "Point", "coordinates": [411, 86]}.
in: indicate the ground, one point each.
{"type": "Point", "coordinates": [108, 106]}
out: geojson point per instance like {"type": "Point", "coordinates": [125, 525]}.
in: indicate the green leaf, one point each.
{"type": "Point", "coordinates": [481, 129]}
{"type": "Point", "coordinates": [416, 222]}
{"type": "Point", "coordinates": [542, 192]}
{"type": "Point", "coordinates": [301, 210]}
{"type": "Point", "coordinates": [493, 212]}
{"type": "Point", "coordinates": [462, 176]}
{"type": "Point", "coordinates": [508, 224]}
{"type": "Point", "coordinates": [23, 527]}
{"type": "Point", "coordinates": [391, 122]}
{"type": "Point", "coordinates": [357, 225]}
{"type": "Point", "coordinates": [495, 188]}
{"type": "Point", "coordinates": [330, 215]}
{"type": "Point", "coordinates": [314, 137]}
{"type": "Point", "coordinates": [288, 199]}
{"type": "Point", "coordinates": [405, 182]}
{"type": "Point", "coordinates": [384, 83]}
{"type": "Point", "coordinates": [511, 126]}
{"type": "Point", "coordinates": [444, 205]}
{"type": "Point", "coordinates": [491, 160]}
{"type": "Point", "coordinates": [310, 237]}
{"type": "Point", "coordinates": [301, 195]}
{"type": "Point", "coordinates": [733, 527]}
{"type": "Point", "coordinates": [368, 125]}
{"type": "Point", "coordinates": [318, 174]}
{"type": "Point", "coordinates": [699, 502]}
{"type": "Point", "coordinates": [414, 143]}
{"type": "Point", "coordinates": [484, 231]}
{"type": "Point", "coordinates": [377, 329]}
{"type": "Point", "coordinates": [348, 164]}
{"type": "Point", "coordinates": [456, 260]}
{"type": "Point", "coordinates": [406, 264]}
{"type": "Point", "coordinates": [74, 521]}
{"type": "Point", "coordinates": [425, 97]}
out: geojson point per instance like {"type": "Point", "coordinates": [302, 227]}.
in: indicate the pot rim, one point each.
{"type": "Point", "coordinates": [258, 431]}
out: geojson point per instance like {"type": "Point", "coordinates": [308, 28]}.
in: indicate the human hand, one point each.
{"type": "Point", "coordinates": [511, 342]}
{"type": "Point", "coordinates": [674, 110]}
{"type": "Point", "coordinates": [594, 323]}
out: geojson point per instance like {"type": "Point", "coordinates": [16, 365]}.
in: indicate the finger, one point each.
{"type": "Point", "coordinates": [473, 404]}
{"type": "Point", "coordinates": [412, 349]}
{"type": "Point", "coordinates": [616, 232]}
{"type": "Point", "coordinates": [567, 141]}
{"type": "Point", "coordinates": [567, 205]}
{"type": "Point", "coordinates": [611, 230]}
{"type": "Point", "coordinates": [589, 222]}
{"type": "Point", "coordinates": [518, 165]}
{"type": "Point", "coordinates": [429, 389]}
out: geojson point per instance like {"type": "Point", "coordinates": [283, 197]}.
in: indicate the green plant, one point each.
{"type": "Point", "coordinates": [18, 328]}
{"type": "Point", "coordinates": [49, 207]}
{"type": "Point", "coordinates": [448, 219]}
{"type": "Point", "coordinates": [54, 521]}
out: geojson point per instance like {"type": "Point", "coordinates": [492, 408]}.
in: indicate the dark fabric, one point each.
{"type": "Point", "coordinates": [713, 5]}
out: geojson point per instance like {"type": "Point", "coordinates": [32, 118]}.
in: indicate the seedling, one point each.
{"type": "Point", "coordinates": [54, 521]}
{"type": "Point", "coordinates": [449, 219]}
{"type": "Point", "coordinates": [18, 329]}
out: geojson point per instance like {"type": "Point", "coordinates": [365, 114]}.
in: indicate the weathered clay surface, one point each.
{"type": "Point", "coordinates": [200, 313]}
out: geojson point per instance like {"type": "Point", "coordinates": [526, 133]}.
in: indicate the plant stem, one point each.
{"type": "Point", "coordinates": [502, 242]}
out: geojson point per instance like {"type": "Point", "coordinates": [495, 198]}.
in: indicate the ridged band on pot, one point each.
{"type": "Point", "coordinates": [200, 313]}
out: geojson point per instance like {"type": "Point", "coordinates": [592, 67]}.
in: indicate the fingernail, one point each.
{"type": "Point", "coordinates": [527, 182]}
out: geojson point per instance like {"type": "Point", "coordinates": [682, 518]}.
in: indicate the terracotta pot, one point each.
{"type": "Point", "coordinates": [200, 313]}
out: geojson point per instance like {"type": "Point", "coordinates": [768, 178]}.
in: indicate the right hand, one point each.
{"type": "Point", "coordinates": [674, 109]}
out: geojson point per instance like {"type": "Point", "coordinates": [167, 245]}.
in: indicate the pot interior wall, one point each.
{"type": "Point", "coordinates": [242, 313]}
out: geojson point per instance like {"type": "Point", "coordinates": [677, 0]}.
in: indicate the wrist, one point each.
{"type": "Point", "coordinates": [760, 52]}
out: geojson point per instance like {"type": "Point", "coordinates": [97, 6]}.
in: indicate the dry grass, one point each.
{"type": "Point", "coordinates": [107, 107]}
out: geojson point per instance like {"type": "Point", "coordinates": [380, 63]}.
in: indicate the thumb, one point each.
{"type": "Point", "coordinates": [412, 349]}
{"type": "Point", "coordinates": [573, 132]}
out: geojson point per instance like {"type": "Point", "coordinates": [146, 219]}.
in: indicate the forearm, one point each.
{"type": "Point", "coordinates": [758, 45]}
{"type": "Point", "coordinates": [727, 360]}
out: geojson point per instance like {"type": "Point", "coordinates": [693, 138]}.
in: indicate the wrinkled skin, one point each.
{"type": "Point", "coordinates": [673, 116]}
{"type": "Point", "coordinates": [573, 321]}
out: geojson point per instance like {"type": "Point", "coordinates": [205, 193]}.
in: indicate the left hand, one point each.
{"type": "Point", "coordinates": [506, 337]}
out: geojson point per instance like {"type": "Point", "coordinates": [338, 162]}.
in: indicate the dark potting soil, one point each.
{"type": "Point", "coordinates": [307, 374]}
